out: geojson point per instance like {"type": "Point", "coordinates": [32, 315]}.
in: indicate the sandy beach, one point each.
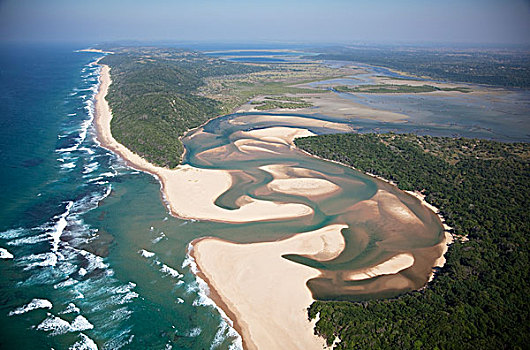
{"type": "Point", "coordinates": [266, 293]}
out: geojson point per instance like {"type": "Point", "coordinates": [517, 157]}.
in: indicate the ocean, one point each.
{"type": "Point", "coordinates": [90, 257]}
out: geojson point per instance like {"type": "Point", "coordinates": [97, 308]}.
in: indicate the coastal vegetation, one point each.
{"type": "Point", "coordinates": [154, 98]}
{"type": "Point", "coordinates": [279, 79]}
{"type": "Point", "coordinates": [507, 68]}
{"type": "Point", "coordinates": [397, 88]}
{"type": "Point", "coordinates": [281, 102]}
{"type": "Point", "coordinates": [479, 299]}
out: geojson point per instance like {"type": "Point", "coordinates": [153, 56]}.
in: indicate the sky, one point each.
{"type": "Point", "coordinates": [251, 21]}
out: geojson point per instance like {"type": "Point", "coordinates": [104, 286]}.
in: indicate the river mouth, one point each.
{"type": "Point", "coordinates": [390, 240]}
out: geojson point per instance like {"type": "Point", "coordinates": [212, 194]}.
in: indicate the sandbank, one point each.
{"type": "Point", "coordinates": [291, 120]}
{"type": "Point", "coordinates": [304, 186]}
{"type": "Point", "coordinates": [393, 265]}
{"type": "Point", "coordinates": [266, 293]}
{"type": "Point", "coordinates": [301, 184]}
{"type": "Point", "coordinates": [277, 134]}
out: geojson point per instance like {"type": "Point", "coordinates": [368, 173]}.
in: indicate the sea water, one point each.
{"type": "Point", "coordinates": [89, 256]}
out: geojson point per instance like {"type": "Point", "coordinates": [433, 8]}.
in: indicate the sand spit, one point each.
{"type": "Point", "coordinates": [291, 120]}
{"type": "Point", "coordinates": [95, 51]}
{"type": "Point", "coordinates": [266, 293]}
{"type": "Point", "coordinates": [191, 192]}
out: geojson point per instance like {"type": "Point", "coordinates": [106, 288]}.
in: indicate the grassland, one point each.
{"type": "Point", "coordinates": [278, 79]}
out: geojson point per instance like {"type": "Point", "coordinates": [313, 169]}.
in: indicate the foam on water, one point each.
{"type": "Point", "coordinates": [195, 332]}
{"type": "Point", "coordinates": [170, 271]}
{"type": "Point", "coordinates": [71, 308]}
{"type": "Point", "coordinates": [14, 233]}
{"type": "Point", "coordinates": [54, 324]}
{"type": "Point", "coordinates": [32, 305]}
{"type": "Point", "coordinates": [67, 283]}
{"type": "Point", "coordinates": [226, 329]}
{"type": "Point", "coordinates": [225, 332]}
{"type": "Point", "coordinates": [5, 254]}
{"type": "Point", "coordinates": [146, 254]}
{"type": "Point", "coordinates": [80, 323]}
{"type": "Point", "coordinates": [68, 166]}
{"type": "Point", "coordinates": [87, 169]}
{"type": "Point", "coordinates": [57, 325]}
{"type": "Point", "coordinates": [39, 260]}
{"type": "Point", "coordinates": [56, 231]}
{"type": "Point", "coordinates": [84, 343]}
{"type": "Point", "coordinates": [159, 238]}
{"type": "Point", "coordinates": [29, 240]}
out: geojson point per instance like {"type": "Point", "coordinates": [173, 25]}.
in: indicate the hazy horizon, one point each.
{"type": "Point", "coordinates": [472, 22]}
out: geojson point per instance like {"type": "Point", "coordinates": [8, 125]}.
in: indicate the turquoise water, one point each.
{"type": "Point", "coordinates": [77, 221]}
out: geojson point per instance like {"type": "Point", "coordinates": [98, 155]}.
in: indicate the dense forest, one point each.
{"type": "Point", "coordinates": [492, 67]}
{"type": "Point", "coordinates": [480, 298]}
{"type": "Point", "coordinates": [154, 100]}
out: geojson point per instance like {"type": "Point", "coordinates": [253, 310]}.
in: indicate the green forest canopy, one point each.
{"type": "Point", "coordinates": [480, 298]}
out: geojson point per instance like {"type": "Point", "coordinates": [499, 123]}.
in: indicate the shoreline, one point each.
{"type": "Point", "coordinates": [102, 119]}
{"type": "Point", "coordinates": [214, 295]}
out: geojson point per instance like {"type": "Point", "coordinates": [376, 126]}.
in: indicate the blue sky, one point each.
{"type": "Point", "coordinates": [311, 21]}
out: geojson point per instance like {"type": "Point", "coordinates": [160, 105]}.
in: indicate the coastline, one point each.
{"type": "Point", "coordinates": [102, 119]}
{"type": "Point", "coordinates": [168, 179]}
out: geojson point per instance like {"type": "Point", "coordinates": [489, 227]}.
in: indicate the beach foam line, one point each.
{"type": "Point", "coordinates": [203, 299]}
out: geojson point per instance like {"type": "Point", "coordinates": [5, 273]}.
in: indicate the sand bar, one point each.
{"type": "Point", "coordinates": [391, 266]}
{"type": "Point", "coordinates": [266, 293]}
